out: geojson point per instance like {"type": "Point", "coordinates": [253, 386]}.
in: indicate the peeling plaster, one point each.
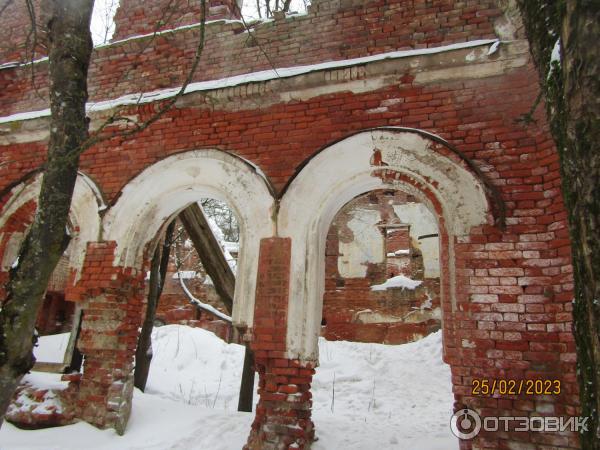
{"type": "Point", "coordinates": [422, 222]}
{"type": "Point", "coordinates": [367, 246]}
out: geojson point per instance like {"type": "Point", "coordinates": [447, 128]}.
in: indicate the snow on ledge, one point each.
{"type": "Point", "coordinates": [253, 77]}
{"type": "Point", "coordinates": [397, 281]}
{"type": "Point", "coordinates": [167, 31]}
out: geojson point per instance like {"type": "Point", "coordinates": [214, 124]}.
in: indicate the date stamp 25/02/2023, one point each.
{"type": "Point", "coordinates": [495, 386]}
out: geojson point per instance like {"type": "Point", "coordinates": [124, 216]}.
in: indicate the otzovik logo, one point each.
{"type": "Point", "coordinates": [466, 424]}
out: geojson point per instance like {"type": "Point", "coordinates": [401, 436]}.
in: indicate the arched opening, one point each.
{"type": "Point", "coordinates": [191, 362]}
{"type": "Point", "coordinates": [380, 350]}
{"type": "Point", "coordinates": [187, 272]}
{"type": "Point", "coordinates": [59, 315]}
{"type": "Point", "coordinates": [407, 160]}
{"type": "Point", "coordinates": [133, 229]}
{"type": "Point", "coordinates": [157, 195]}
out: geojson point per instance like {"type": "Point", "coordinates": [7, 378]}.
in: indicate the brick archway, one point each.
{"type": "Point", "coordinates": [162, 190]}
{"type": "Point", "coordinates": [112, 284]}
{"type": "Point", "coordinates": [292, 268]}
{"type": "Point", "coordinates": [375, 159]}
{"type": "Point", "coordinates": [17, 214]}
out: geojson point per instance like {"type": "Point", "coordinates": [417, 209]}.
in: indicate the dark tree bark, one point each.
{"type": "Point", "coordinates": [158, 273]}
{"type": "Point", "coordinates": [213, 260]}
{"type": "Point", "coordinates": [70, 50]}
{"type": "Point", "coordinates": [572, 91]}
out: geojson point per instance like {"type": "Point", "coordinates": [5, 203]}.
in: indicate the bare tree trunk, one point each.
{"type": "Point", "coordinates": [211, 256]}
{"type": "Point", "coordinates": [258, 9]}
{"type": "Point", "coordinates": [158, 273]}
{"type": "Point", "coordinates": [572, 90]}
{"type": "Point", "coordinates": [70, 50]}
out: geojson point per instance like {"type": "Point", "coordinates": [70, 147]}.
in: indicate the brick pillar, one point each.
{"type": "Point", "coordinates": [112, 311]}
{"type": "Point", "coordinates": [284, 407]}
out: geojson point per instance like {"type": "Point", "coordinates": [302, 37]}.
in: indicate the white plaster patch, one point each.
{"type": "Point", "coordinates": [11, 250]}
{"type": "Point", "coordinates": [422, 222]}
{"type": "Point", "coordinates": [366, 247]}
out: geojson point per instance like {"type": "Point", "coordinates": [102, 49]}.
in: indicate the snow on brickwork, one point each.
{"type": "Point", "coordinates": [331, 31]}
{"type": "Point", "coordinates": [254, 77]}
{"type": "Point", "coordinates": [142, 16]}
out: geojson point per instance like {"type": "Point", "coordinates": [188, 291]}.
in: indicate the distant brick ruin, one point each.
{"type": "Point", "coordinates": [373, 238]}
{"type": "Point", "coordinates": [289, 121]}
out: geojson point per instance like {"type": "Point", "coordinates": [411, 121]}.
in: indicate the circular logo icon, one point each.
{"type": "Point", "coordinates": [465, 424]}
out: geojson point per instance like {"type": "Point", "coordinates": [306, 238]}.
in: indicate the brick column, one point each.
{"type": "Point", "coordinates": [284, 407]}
{"type": "Point", "coordinates": [112, 311]}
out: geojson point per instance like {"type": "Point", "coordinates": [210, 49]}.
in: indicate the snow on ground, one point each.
{"type": "Point", "coordinates": [193, 366]}
{"type": "Point", "coordinates": [52, 348]}
{"type": "Point", "coordinates": [365, 396]}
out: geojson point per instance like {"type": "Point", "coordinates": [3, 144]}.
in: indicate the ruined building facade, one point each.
{"type": "Point", "coordinates": [424, 97]}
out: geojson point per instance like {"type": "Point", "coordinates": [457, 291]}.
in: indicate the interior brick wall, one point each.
{"type": "Point", "coordinates": [345, 299]}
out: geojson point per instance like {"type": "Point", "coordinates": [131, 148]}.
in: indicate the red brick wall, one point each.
{"type": "Point", "coordinates": [18, 32]}
{"type": "Point", "coordinates": [18, 223]}
{"type": "Point", "coordinates": [515, 315]}
{"type": "Point", "coordinates": [478, 116]}
{"type": "Point", "coordinates": [328, 32]}
{"type": "Point", "coordinates": [175, 308]}
{"type": "Point", "coordinates": [138, 17]}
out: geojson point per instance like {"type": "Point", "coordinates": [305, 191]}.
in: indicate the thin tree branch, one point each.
{"type": "Point", "coordinates": [96, 138]}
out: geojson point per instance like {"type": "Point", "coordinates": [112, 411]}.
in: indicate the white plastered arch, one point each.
{"type": "Point", "coordinates": [162, 190]}
{"type": "Point", "coordinates": [84, 215]}
{"type": "Point", "coordinates": [338, 174]}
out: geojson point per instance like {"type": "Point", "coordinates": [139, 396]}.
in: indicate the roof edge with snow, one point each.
{"type": "Point", "coordinates": [253, 77]}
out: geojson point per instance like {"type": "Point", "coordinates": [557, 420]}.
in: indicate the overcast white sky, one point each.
{"type": "Point", "coordinates": [104, 11]}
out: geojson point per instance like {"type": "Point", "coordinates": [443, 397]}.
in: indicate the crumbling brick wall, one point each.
{"type": "Point", "coordinates": [511, 315]}
{"type": "Point", "coordinates": [382, 248]}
